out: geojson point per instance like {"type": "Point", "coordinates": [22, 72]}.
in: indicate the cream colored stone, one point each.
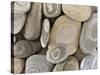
{"type": "Point", "coordinates": [77, 12]}
{"type": "Point", "coordinates": [66, 31]}
{"type": "Point", "coordinates": [21, 7]}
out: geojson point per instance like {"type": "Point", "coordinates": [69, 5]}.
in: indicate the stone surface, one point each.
{"type": "Point", "coordinates": [88, 38]}
{"type": "Point", "coordinates": [21, 7]}
{"type": "Point", "coordinates": [89, 62]}
{"type": "Point", "coordinates": [37, 63]}
{"type": "Point", "coordinates": [56, 53]}
{"type": "Point", "coordinates": [45, 33]}
{"type": "Point", "coordinates": [66, 31]}
{"type": "Point", "coordinates": [18, 21]}
{"type": "Point", "coordinates": [77, 12]}
{"type": "Point", "coordinates": [33, 22]}
{"type": "Point", "coordinates": [24, 48]}
{"type": "Point", "coordinates": [51, 10]}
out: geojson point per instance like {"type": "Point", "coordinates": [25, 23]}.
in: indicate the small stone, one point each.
{"type": "Point", "coordinates": [51, 10]}
{"type": "Point", "coordinates": [45, 33]}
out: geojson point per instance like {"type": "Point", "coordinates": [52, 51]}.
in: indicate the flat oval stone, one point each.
{"type": "Point", "coordinates": [24, 48]}
{"type": "Point", "coordinates": [18, 21]}
{"type": "Point", "coordinates": [71, 63]}
{"type": "Point", "coordinates": [33, 22]}
{"type": "Point", "coordinates": [88, 38]}
{"type": "Point", "coordinates": [66, 31]}
{"type": "Point", "coordinates": [45, 33]}
{"type": "Point", "coordinates": [21, 7]}
{"type": "Point", "coordinates": [51, 10]}
{"type": "Point", "coordinates": [37, 63]}
{"type": "Point", "coordinates": [77, 12]}
{"type": "Point", "coordinates": [89, 62]}
{"type": "Point", "coordinates": [56, 53]}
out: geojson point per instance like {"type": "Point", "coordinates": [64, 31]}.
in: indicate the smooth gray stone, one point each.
{"type": "Point", "coordinates": [56, 53]}
{"type": "Point", "coordinates": [88, 38]}
{"type": "Point", "coordinates": [21, 7]}
{"type": "Point", "coordinates": [51, 10]}
{"type": "Point", "coordinates": [33, 22]}
{"type": "Point", "coordinates": [24, 48]}
{"type": "Point", "coordinates": [89, 62]}
{"type": "Point", "coordinates": [37, 63]}
{"type": "Point", "coordinates": [18, 21]}
{"type": "Point", "coordinates": [45, 33]}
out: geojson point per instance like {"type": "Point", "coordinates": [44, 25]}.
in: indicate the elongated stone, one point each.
{"type": "Point", "coordinates": [33, 22]}
{"type": "Point", "coordinates": [45, 33]}
{"type": "Point", "coordinates": [17, 65]}
{"type": "Point", "coordinates": [18, 21]}
{"type": "Point", "coordinates": [88, 38]}
{"type": "Point", "coordinates": [24, 48]}
{"type": "Point", "coordinates": [89, 62]}
{"type": "Point", "coordinates": [56, 53]}
{"type": "Point", "coordinates": [77, 12]}
{"type": "Point", "coordinates": [37, 63]}
{"type": "Point", "coordinates": [51, 10]}
{"type": "Point", "coordinates": [66, 31]}
{"type": "Point", "coordinates": [71, 63]}
{"type": "Point", "coordinates": [21, 7]}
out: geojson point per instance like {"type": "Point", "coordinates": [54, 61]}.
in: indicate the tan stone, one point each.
{"type": "Point", "coordinates": [66, 31]}
{"type": "Point", "coordinates": [77, 12]}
